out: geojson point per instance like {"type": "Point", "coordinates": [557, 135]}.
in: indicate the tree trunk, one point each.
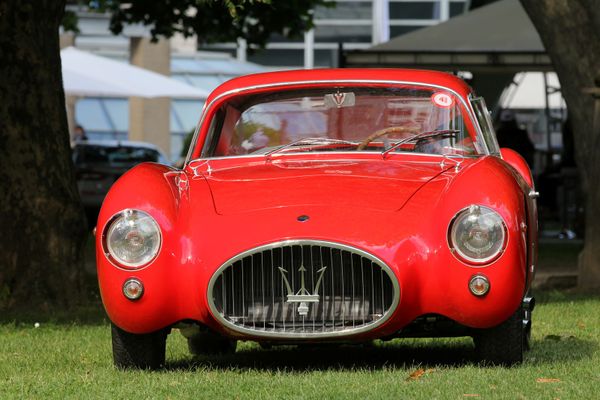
{"type": "Point", "coordinates": [570, 31]}
{"type": "Point", "coordinates": [42, 226]}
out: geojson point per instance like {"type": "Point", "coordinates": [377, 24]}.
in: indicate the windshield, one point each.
{"type": "Point", "coordinates": [362, 119]}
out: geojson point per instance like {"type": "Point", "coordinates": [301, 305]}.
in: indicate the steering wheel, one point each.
{"type": "Point", "coordinates": [383, 132]}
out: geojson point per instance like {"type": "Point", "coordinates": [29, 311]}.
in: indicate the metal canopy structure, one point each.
{"type": "Point", "coordinates": [498, 37]}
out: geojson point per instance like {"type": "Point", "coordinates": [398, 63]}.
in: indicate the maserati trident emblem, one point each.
{"type": "Point", "coordinates": [339, 98]}
{"type": "Point", "coordinates": [303, 296]}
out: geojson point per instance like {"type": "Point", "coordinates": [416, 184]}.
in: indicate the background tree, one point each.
{"type": "Point", "coordinates": [570, 31]}
{"type": "Point", "coordinates": [42, 224]}
{"type": "Point", "coordinates": [216, 21]}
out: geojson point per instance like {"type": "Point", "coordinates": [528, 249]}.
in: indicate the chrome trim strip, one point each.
{"type": "Point", "coordinates": [196, 132]}
{"type": "Point", "coordinates": [477, 126]}
{"type": "Point", "coordinates": [529, 303]}
{"type": "Point", "coordinates": [320, 335]}
{"type": "Point", "coordinates": [207, 107]}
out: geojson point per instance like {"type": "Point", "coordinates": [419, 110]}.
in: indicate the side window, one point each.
{"type": "Point", "coordinates": [485, 122]}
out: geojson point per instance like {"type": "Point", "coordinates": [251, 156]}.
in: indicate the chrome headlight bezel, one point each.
{"type": "Point", "coordinates": [130, 217]}
{"type": "Point", "coordinates": [457, 249]}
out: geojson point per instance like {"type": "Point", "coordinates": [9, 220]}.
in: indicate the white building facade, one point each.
{"type": "Point", "coordinates": [356, 24]}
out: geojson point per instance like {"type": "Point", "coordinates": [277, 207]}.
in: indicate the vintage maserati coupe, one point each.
{"type": "Point", "coordinates": [325, 206]}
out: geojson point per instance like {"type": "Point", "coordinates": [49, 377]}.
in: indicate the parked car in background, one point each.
{"type": "Point", "coordinates": [325, 206]}
{"type": "Point", "coordinates": [98, 164]}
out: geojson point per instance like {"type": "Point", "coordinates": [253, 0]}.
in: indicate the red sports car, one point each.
{"type": "Point", "coordinates": [325, 206]}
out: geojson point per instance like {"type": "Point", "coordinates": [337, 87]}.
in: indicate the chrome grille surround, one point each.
{"type": "Point", "coordinates": [367, 293]}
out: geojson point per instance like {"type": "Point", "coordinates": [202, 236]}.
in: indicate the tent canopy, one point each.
{"type": "Point", "coordinates": [85, 74]}
{"type": "Point", "coordinates": [498, 37]}
{"type": "Point", "coordinates": [527, 89]}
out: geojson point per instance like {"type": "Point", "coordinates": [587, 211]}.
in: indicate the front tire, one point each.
{"type": "Point", "coordinates": [503, 344]}
{"type": "Point", "coordinates": [138, 351]}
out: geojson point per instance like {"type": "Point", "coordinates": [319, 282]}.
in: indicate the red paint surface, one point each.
{"type": "Point", "coordinates": [397, 209]}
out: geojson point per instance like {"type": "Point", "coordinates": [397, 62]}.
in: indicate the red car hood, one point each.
{"type": "Point", "coordinates": [367, 184]}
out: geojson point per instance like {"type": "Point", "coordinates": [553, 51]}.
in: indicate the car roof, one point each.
{"type": "Point", "coordinates": [344, 74]}
{"type": "Point", "coordinates": [117, 143]}
{"type": "Point", "coordinates": [122, 143]}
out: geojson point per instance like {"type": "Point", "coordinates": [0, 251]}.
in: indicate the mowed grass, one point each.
{"type": "Point", "coordinates": [73, 360]}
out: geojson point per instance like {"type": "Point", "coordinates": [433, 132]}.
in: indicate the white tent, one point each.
{"type": "Point", "coordinates": [528, 92]}
{"type": "Point", "coordinates": [85, 74]}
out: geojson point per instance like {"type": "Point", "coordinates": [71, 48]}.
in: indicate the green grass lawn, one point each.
{"type": "Point", "coordinates": [73, 360]}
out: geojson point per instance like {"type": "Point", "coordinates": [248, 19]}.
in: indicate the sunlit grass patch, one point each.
{"type": "Point", "coordinates": [62, 359]}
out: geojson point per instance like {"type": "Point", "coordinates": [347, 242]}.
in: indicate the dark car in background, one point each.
{"type": "Point", "coordinates": [98, 164]}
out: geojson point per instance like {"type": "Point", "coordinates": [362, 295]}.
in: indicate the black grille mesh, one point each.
{"type": "Point", "coordinates": [303, 289]}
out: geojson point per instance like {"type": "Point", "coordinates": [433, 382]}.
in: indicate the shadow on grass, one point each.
{"type": "Point", "coordinates": [395, 354]}
{"type": "Point", "coordinates": [91, 314]}
{"type": "Point", "coordinates": [337, 358]}
{"type": "Point", "coordinates": [553, 349]}
{"type": "Point", "coordinates": [563, 296]}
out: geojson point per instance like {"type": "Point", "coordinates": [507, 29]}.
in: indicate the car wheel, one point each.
{"type": "Point", "coordinates": [138, 351]}
{"type": "Point", "coordinates": [209, 343]}
{"type": "Point", "coordinates": [503, 344]}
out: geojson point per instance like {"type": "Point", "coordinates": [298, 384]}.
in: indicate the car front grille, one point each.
{"type": "Point", "coordinates": [303, 289]}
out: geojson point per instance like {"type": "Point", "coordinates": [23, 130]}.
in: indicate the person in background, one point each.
{"type": "Point", "coordinates": [79, 134]}
{"type": "Point", "coordinates": [512, 136]}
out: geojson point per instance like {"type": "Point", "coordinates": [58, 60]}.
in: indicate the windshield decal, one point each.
{"type": "Point", "coordinates": [443, 100]}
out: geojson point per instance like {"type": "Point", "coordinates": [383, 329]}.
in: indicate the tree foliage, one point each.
{"type": "Point", "coordinates": [212, 20]}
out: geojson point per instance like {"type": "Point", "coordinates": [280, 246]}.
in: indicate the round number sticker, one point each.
{"type": "Point", "coordinates": [442, 100]}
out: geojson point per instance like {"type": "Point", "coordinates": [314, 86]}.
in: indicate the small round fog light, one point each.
{"type": "Point", "coordinates": [133, 289]}
{"type": "Point", "coordinates": [479, 285]}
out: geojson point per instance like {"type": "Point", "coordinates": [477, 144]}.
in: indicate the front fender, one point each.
{"type": "Point", "coordinates": [441, 276]}
{"type": "Point", "coordinates": [158, 190]}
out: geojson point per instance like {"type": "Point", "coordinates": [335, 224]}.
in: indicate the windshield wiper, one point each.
{"type": "Point", "coordinates": [423, 135]}
{"type": "Point", "coordinates": [308, 142]}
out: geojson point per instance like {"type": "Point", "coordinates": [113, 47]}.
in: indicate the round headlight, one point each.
{"type": "Point", "coordinates": [132, 238]}
{"type": "Point", "coordinates": [477, 234]}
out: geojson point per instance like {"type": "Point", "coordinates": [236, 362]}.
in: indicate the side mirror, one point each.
{"type": "Point", "coordinates": [516, 161]}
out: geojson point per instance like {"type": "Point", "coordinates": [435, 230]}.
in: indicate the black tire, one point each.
{"type": "Point", "coordinates": [132, 351]}
{"type": "Point", "coordinates": [503, 344]}
{"type": "Point", "coordinates": [209, 343]}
